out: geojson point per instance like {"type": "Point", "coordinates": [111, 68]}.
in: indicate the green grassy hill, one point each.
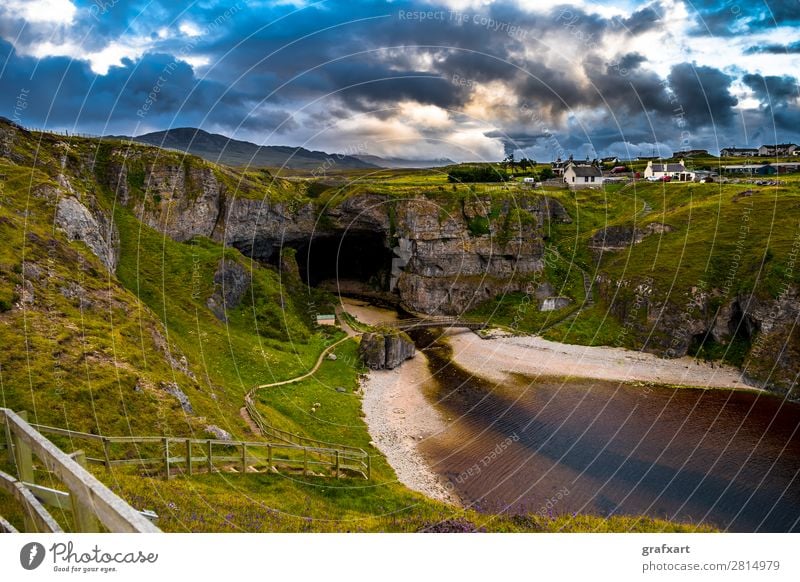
{"type": "Point", "coordinates": [109, 352]}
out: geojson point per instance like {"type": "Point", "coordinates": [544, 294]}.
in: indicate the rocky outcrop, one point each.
{"type": "Point", "coordinates": [385, 351]}
{"type": "Point", "coordinates": [173, 389]}
{"type": "Point", "coordinates": [444, 261]}
{"type": "Point", "coordinates": [763, 329]}
{"type": "Point", "coordinates": [231, 281]}
{"type": "Point", "coordinates": [450, 269]}
{"type": "Point", "coordinates": [182, 201]}
{"type": "Point", "coordinates": [615, 238]}
{"type": "Point", "coordinates": [218, 433]}
{"type": "Point", "coordinates": [95, 230]}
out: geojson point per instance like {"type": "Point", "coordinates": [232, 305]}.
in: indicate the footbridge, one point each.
{"type": "Point", "coordinates": [441, 321]}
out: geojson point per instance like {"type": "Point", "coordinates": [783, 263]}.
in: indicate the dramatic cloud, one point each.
{"type": "Point", "coordinates": [460, 80]}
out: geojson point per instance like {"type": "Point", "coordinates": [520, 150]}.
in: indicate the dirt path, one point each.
{"type": "Point", "coordinates": [249, 421]}
{"type": "Point", "coordinates": [308, 374]}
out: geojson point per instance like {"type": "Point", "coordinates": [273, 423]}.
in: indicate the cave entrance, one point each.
{"type": "Point", "coordinates": [357, 259]}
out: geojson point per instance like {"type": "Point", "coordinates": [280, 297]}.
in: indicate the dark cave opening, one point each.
{"type": "Point", "coordinates": [359, 256]}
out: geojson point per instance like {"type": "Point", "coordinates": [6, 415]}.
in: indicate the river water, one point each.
{"type": "Point", "coordinates": [727, 458]}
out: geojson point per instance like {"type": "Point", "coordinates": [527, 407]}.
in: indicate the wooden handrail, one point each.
{"type": "Point", "coordinates": [351, 458]}
{"type": "Point", "coordinates": [85, 488]}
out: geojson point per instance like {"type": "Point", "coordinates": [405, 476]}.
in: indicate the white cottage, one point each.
{"type": "Point", "coordinates": [673, 171]}
{"type": "Point", "coordinates": [583, 176]}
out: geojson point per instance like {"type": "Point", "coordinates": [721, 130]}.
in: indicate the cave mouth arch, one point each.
{"type": "Point", "coordinates": [354, 256]}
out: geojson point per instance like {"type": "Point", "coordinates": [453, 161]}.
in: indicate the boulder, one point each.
{"type": "Point", "coordinates": [231, 281]}
{"type": "Point", "coordinates": [385, 351]}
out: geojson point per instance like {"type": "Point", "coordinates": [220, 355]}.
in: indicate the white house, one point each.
{"type": "Point", "coordinates": [781, 149]}
{"type": "Point", "coordinates": [674, 171]}
{"type": "Point", "coordinates": [738, 152]}
{"type": "Point", "coordinates": [583, 176]}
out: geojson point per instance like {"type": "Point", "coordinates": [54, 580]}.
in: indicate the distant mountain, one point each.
{"type": "Point", "coordinates": [404, 163]}
{"type": "Point", "coordinates": [234, 152]}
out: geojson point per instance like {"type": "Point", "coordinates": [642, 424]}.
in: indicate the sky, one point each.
{"type": "Point", "coordinates": [462, 79]}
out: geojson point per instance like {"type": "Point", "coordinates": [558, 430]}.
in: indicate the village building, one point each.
{"type": "Point", "coordinates": [583, 176]}
{"type": "Point", "coordinates": [738, 152]}
{"type": "Point", "coordinates": [671, 171]}
{"type": "Point", "coordinates": [781, 149]}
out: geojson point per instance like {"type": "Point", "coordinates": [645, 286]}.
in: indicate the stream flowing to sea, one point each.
{"type": "Point", "coordinates": [723, 457]}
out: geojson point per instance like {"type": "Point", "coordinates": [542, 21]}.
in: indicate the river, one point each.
{"type": "Point", "coordinates": [724, 457]}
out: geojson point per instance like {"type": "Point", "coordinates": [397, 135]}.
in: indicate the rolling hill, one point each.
{"type": "Point", "coordinates": [233, 152]}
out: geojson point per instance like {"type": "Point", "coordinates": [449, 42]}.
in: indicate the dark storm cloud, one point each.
{"type": "Point", "coordinates": [779, 100]}
{"type": "Point", "coordinates": [625, 87]}
{"type": "Point", "coordinates": [642, 20]}
{"type": "Point", "coordinates": [157, 90]}
{"type": "Point", "coordinates": [772, 88]}
{"type": "Point", "coordinates": [703, 94]}
{"type": "Point", "coordinates": [367, 86]}
{"type": "Point", "coordinates": [267, 61]}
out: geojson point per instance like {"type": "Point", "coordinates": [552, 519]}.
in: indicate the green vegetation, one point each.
{"type": "Point", "coordinates": [97, 352]}
{"type": "Point", "coordinates": [474, 173]}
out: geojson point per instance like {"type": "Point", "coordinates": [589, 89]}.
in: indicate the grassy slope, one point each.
{"type": "Point", "coordinates": [718, 234]}
{"type": "Point", "coordinates": [98, 367]}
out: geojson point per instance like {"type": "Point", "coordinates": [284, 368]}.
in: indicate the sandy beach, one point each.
{"type": "Point", "coordinates": [397, 413]}
{"type": "Point", "coordinates": [399, 417]}
{"type": "Point", "coordinates": [495, 359]}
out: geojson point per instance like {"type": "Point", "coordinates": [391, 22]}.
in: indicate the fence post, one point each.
{"type": "Point", "coordinates": [189, 457]}
{"type": "Point", "coordinates": [23, 459]}
{"type": "Point", "coordinates": [269, 457]}
{"type": "Point", "coordinates": [23, 455]}
{"type": "Point", "coordinates": [85, 519]}
{"type": "Point", "coordinates": [210, 460]}
{"type": "Point", "coordinates": [106, 453]}
{"type": "Point", "coordinates": [10, 444]}
{"type": "Point", "coordinates": [244, 457]}
{"type": "Point", "coordinates": [305, 461]}
{"type": "Point", "coordinates": [369, 466]}
{"type": "Point", "coordinates": [166, 457]}
{"type": "Point", "coordinates": [337, 464]}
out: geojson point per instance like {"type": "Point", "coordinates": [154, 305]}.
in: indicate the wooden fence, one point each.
{"type": "Point", "coordinates": [90, 502]}
{"type": "Point", "coordinates": [173, 454]}
{"type": "Point", "coordinates": [351, 458]}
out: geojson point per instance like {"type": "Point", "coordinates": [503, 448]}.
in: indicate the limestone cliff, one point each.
{"type": "Point", "coordinates": [449, 257]}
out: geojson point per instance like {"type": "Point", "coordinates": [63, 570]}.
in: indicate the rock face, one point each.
{"type": "Point", "coordinates": [763, 327]}
{"type": "Point", "coordinates": [615, 238]}
{"type": "Point", "coordinates": [188, 200]}
{"type": "Point", "coordinates": [173, 389]}
{"type": "Point", "coordinates": [445, 261]}
{"type": "Point", "coordinates": [231, 281]}
{"type": "Point", "coordinates": [94, 229]}
{"type": "Point", "coordinates": [451, 269]}
{"type": "Point", "coordinates": [385, 351]}
{"type": "Point", "coordinates": [554, 303]}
